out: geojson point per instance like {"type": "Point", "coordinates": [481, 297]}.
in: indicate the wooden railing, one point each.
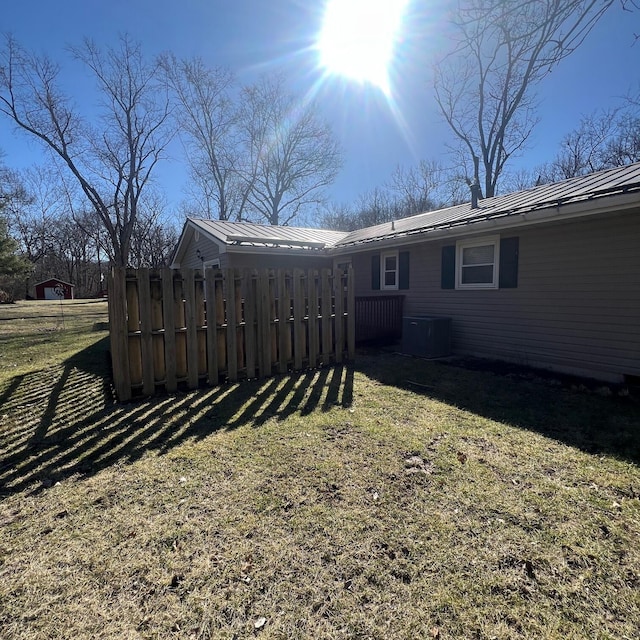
{"type": "Point", "coordinates": [378, 319]}
{"type": "Point", "coordinates": [173, 328]}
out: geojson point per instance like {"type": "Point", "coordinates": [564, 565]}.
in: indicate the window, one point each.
{"type": "Point", "coordinates": [467, 270]}
{"type": "Point", "coordinates": [211, 263]}
{"type": "Point", "coordinates": [477, 264]}
{"type": "Point", "coordinates": [389, 270]}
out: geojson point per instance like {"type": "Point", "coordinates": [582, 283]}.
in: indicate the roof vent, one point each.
{"type": "Point", "coordinates": [475, 194]}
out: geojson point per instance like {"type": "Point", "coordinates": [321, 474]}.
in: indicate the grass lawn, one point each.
{"type": "Point", "coordinates": [397, 498]}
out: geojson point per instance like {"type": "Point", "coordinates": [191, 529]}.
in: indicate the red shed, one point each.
{"type": "Point", "coordinates": [54, 289]}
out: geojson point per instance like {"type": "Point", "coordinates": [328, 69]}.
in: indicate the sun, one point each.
{"type": "Point", "coordinates": [358, 38]}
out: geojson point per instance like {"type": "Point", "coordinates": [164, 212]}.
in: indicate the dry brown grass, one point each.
{"type": "Point", "coordinates": [339, 503]}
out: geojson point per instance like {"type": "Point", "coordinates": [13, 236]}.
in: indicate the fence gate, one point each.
{"type": "Point", "coordinates": [172, 328]}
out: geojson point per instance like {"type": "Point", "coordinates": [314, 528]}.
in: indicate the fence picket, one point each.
{"type": "Point", "coordinates": [312, 316]}
{"type": "Point", "coordinates": [338, 293]}
{"type": "Point", "coordinates": [326, 317]}
{"type": "Point", "coordinates": [298, 317]}
{"type": "Point", "coordinates": [146, 340]}
{"type": "Point", "coordinates": [159, 370]}
{"type": "Point", "coordinates": [119, 333]}
{"type": "Point", "coordinates": [191, 319]}
{"type": "Point", "coordinates": [264, 325]}
{"type": "Point", "coordinates": [283, 324]}
{"type": "Point", "coordinates": [212, 328]}
{"type": "Point", "coordinates": [250, 298]}
{"type": "Point", "coordinates": [133, 325]}
{"type": "Point", "coordinates": [351, 315]}
{"type": "Point", "coordinates": [232, 322]}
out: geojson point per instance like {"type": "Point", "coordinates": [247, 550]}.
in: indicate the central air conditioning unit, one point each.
{"type": "Point", "coordinates": [425, 336]}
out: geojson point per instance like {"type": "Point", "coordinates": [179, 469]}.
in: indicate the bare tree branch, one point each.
{"type": "Point", "coordinates": [111, 161]}
{"type": "Point", "coordinates": [484, 86]}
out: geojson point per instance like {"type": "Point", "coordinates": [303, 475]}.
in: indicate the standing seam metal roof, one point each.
{"type": "Point", "coordinates": [595, 185]}
{"type": "Point", "coordinates": [246, 233]}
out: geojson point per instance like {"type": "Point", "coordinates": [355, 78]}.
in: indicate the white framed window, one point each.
{"type": "Point", "coordinates": [477, 263]}
{"type": "Point", "coordinates": [389, 270]}
{"type": "Point", "coordinates": [211, 263]}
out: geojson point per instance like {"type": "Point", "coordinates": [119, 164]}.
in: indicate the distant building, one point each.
{"type": "Point", "coordinates": [54, 289]}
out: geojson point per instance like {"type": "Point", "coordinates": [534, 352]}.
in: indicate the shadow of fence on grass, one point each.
{"type": "Point", "coordinates": [546, 404]}
{"type": "Point", "coordinates": [64, 421]}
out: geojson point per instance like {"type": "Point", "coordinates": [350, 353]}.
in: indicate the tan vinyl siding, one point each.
{"type": "Point", "coordinates": [576, 308]}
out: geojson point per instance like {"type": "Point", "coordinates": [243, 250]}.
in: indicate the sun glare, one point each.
{"type": "Point", "coordinates": [358, 37]}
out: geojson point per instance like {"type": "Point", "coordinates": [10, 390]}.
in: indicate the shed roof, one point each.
{"type": "Point", "coordinates": [583, 189]}
{"type": "Point", "coordinates": [56, 280]}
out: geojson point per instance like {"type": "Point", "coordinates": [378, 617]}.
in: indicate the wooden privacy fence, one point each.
{"type": "Point", "coordinates": [184, 327]}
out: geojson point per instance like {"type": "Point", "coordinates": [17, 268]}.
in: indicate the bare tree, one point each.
{"type": "Point", "coordinates": [602, 140]}
{"type": "Point", "coordinates": [289, 154]}
{"type": "Point", "coordinates": [153, 238]}
{"type": "Point", "coordinates": [484, 87]}
{"type": "Point", "coordinates": [206, 118]}
{"type": "Point", "coordinates": [32, 218]}
{"type": "Point", "coordinates": [425, 187]}
{"type": "Point", "coordinates": [112, 162]}
{"type": "Point", "coordinates": [416, 186]}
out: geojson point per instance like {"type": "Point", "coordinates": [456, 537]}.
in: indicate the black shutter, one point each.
{"type": "Point", "coordinates": [375, 272]}
{"type": "Point", "coordinates": [448, 267]}
{"type": "Point", "coordinates": [403, 266]}
{"type": "Point", "coordinates": [508, 263]}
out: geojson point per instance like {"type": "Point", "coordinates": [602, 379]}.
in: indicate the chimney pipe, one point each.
{"type": "Point", "coordinates": [475, 194]}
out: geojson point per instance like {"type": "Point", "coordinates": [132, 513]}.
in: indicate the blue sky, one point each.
{"type": "Point", "coordinates": [252, 36]}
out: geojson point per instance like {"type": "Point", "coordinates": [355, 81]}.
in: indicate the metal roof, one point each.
{"type": "Point", "coordinates": [257, 235]}
{"type": "Point", "coordinates": [581, 189]}
{"type": "Point", "coordinates": [584, 189]}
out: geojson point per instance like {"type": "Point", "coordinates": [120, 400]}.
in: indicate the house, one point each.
{"type": "Point", "coordinates": [54, 289]}
{"type": "Point", "coordinates": [547, 277]}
